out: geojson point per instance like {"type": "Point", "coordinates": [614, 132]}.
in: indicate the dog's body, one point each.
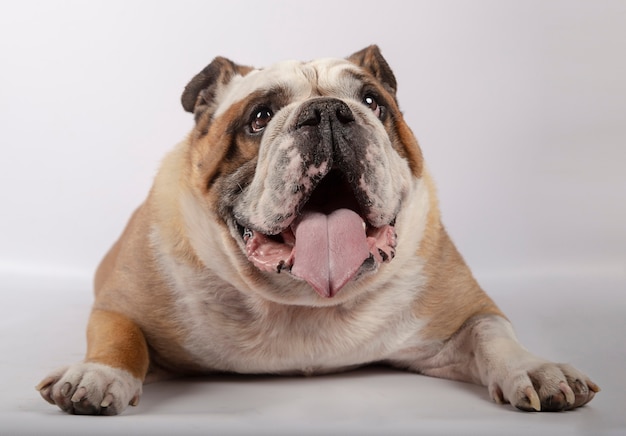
{"type": "Point", "coordinates": [296, 230]}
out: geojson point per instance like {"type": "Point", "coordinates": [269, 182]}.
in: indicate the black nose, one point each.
{"type": "Point", "coordinates": [326, 130]}
{"type": "Point", "coordinates": [321, 111]}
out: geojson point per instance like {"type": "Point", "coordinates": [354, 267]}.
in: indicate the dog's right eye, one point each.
{"type": "Point", "coordinates": [260, 118]}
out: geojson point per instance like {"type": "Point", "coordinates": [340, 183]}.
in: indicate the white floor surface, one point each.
{"type": "Point", "coordinates": [577, 320]}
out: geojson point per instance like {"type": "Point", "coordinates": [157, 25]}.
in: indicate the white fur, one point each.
{"type": "Point", "coordinates": [326, 74]}
{"type": "Point", "coordinates": [486, 351]}
{"type": "Point", "coordinates": [94, 385]}
{"type": "Point", "coordinates": [256, 336]}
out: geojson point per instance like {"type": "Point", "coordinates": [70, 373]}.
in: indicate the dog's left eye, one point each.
{"type": "Point", "coordinates": [371, 103]}
{"type": "Point", "coordinates": [260, 118]}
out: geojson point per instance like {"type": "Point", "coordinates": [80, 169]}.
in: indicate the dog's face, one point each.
{"type": "Point", "coordinates": [307, 167]}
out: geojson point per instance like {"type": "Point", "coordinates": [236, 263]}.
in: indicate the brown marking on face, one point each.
{"type": "Point", "coordinates": [451, 295]}
{"type": "Point", "coordinates": [115, 340]}
{"type": "Point", "coordinates": [372, 60]}
{"type": "Point", "coordinates": [411, 150]}
{"type": "Point", "coordinates": [199, 94]}
{"type": "Point", "coordinates": [223, 149]}
{"type": "Point", "coordinates": [402, 137]}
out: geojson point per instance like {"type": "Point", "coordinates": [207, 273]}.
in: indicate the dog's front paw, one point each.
{"type": "Point", "coordinates": [91, 389]}
{"type": "Point", "coordinates": [544, 386]}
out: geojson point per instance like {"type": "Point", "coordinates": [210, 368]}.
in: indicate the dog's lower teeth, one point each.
{"type": "Point", "coordinates": [247, 234]}
{"type": "Point", "coordinates": [282, 266]}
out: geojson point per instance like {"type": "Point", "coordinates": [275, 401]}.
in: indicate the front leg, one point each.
{"type": "Point", "coordinates": [485, 351]}
{"type": "Point", "coordinates": [112, 373]}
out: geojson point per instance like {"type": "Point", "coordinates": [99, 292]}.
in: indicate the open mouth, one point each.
{"type": "Point", "coordinates": [328, 244]}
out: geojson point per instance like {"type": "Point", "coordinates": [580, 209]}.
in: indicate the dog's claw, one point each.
{"type": "Point", "coordinates": [134, 401]}
{"type": "Point", "coordinates": [570, 398]}
{"type": "Point", "coordinates": [45, 389]}
{"type": "Point", "coordinates": [80, 393]}
{"type": "Point", "coordinates": [532, 401]}
{"type": "Point", "coordinates": [106, 401]}
{"type": "Point", "coordinates": [65, 389]}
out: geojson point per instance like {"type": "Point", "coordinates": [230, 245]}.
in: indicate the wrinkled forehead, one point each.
{"type": "Point", "coordinates": [300, 80]}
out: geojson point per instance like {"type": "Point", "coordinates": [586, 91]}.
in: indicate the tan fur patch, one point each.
{"type": "Point", "coordinates": [129, 281]}
{"type": "Point", "coordinates": [115, 340]}
{"type": "Point", "coordinates": [451, 295]}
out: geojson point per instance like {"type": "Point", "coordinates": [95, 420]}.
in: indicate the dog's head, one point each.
{"type": "Point", "coordinates": [306, 166]}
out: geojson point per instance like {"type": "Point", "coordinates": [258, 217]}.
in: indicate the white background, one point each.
{"type": "Point", "coordinates": [520, 109]}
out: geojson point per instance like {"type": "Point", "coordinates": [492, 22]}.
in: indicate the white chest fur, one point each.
{"type": "Point", "coordinates": [231, 332]}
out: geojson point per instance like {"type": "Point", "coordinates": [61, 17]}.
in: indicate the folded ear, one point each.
{"type": "Point", "coordinates": [201, 90]}
{"type": "Point", "coordinates": [372, 60]}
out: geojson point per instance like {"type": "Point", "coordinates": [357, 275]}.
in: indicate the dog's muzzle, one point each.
{"type": "Point", "coordinates": [329, 241]}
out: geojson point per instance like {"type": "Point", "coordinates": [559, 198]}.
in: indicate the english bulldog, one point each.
{"type": "Point", "coordinates": [296, 230]}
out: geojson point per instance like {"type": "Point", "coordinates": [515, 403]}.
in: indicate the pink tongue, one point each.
{"type": "Point", "coordinates": [329, 249]}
